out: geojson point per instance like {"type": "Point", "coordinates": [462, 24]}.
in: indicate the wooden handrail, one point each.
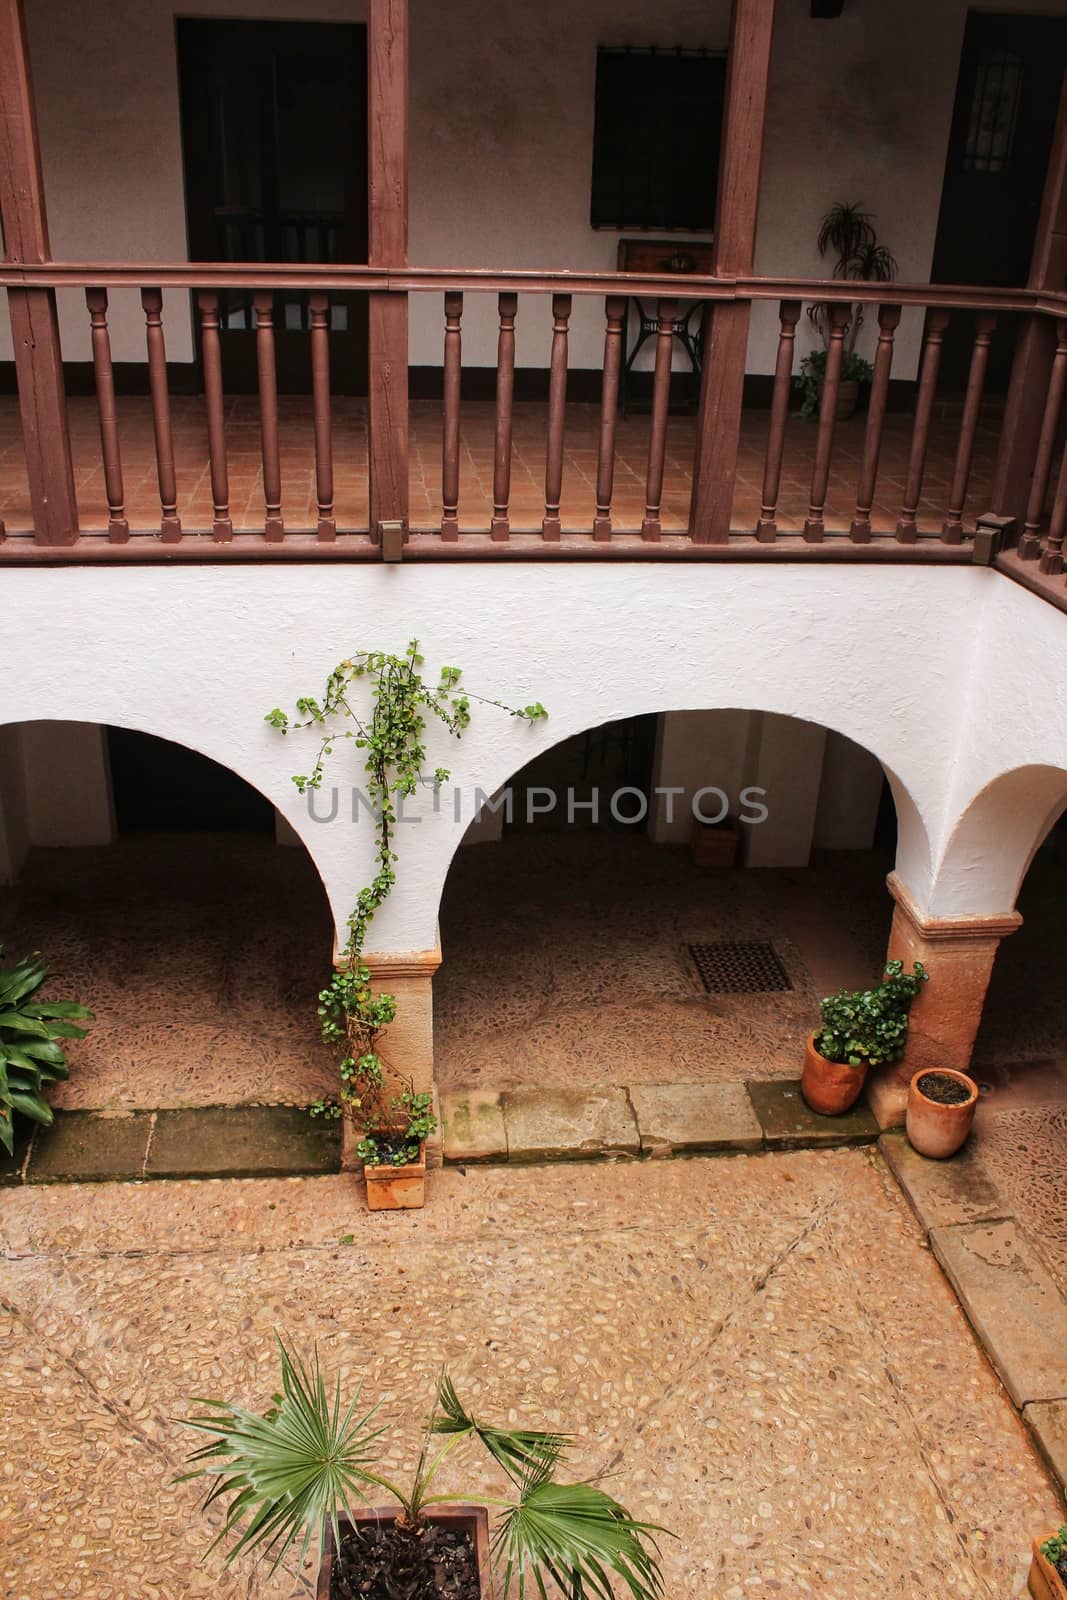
{"type": "Point", "coordinates": [309, 276]}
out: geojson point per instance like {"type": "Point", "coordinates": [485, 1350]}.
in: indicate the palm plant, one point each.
{"type": "Point", "coordinates": [30, 1055]}
{"type": "Point", "coordinates": [295, 1470]}
{"type": "Point", "coordinates": [848, 231]}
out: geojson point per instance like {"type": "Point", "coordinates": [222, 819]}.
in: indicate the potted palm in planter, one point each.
{"type": "Point", "coordinates": [299, 1475]}
{"type": "Point", "coordinates": [846, 231]}
{"type": "Point", "coordinates": [1048, 1567]}
{"type": "Point", "coordinates": [31, 1054]}
{"type": "Point", "coordinates": [390, 1131]}
{"type": "Point", "coordinates": [862, 1029]}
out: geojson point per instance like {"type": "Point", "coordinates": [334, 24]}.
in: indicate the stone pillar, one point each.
{"type": "Point", "coordinates": [958, 953]}
{"type": "Point", "coordinates": [406, 1048]}
{"type": "Point", "coordinates": [68, 784]}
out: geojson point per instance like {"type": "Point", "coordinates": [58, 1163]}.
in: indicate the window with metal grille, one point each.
{"type": "Point", "coordinates": [656, 137]}
{"type": "Point", "coordinates": [998, 88]}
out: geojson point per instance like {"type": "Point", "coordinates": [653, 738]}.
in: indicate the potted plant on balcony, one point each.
{"type": "Point", "coordinates": [862, 1029]}
{"type": "Point", "coordinates": [846, 231]}
{"type": "Point", "coordinates": [302, 1471]}
{"type": "Point", "coordinates": [1048, 1567]}
{"type": "Point", "coordinates": [31, 1055]}
{"type": "Point", "coordinates": [391, 1130]}
{"type": "Point", "coordinates": [940, 1111]}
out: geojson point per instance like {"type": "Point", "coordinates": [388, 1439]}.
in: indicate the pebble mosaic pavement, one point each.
{"type": "Point", "coordinates": [761, 1349]}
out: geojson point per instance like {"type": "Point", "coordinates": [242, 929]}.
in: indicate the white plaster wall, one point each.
{"type": "Point", "coordinates": [849, 796]}
{"type": "Point", "coordinates": [501, 129]}
{"type": "Point", "coordinates": [694, 749]}
{"type": "Point", "coordinates": [899, 660]}
{"type": "Point", "coordinates": [785, 761]}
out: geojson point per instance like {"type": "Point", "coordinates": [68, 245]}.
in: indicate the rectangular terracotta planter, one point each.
{"type": "Point", "coordinates": [471, 1519]}
{"type": "Point", "coordinates": [712, 845]}
{"type": "Point", "coordinates": [1045, 1582]}
{"type": "Point", "coordinates": [392, 1188]}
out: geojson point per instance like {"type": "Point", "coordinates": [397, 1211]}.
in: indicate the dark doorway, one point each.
{"type": "Point", "coordinates": [159, 786]}
{"type": "Point", "coordinates": [274, 140]}
{"type": "Point", "coordinates": [1007, 97]}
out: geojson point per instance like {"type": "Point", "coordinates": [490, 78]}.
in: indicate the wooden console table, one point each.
{"type": "Point", "coordinates": [679, 256]}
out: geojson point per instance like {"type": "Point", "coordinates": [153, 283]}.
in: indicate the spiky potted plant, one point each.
{"type": "Point", "coordinates": [390, 1129]}
{"type": "Point", "coordinates": [861, 1029]}
{"type": "Point", "coordinates": [847, 232]}
{"type": "Point", "coordinates": [31, 1054]}
{"type": "Point", "coordinates": [299, 1475]}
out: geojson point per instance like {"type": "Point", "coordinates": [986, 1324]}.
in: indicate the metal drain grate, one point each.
{"type": "Point", "coordinates": [747, 967]}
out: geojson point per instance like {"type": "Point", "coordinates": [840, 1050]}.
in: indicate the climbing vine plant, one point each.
{"type": "Point", "coordinates": [392, 738]}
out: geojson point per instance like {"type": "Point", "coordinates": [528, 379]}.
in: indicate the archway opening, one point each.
{"type": "Point", "coordinates": [168, 895]}
{"type": "Point", "coordinates": [663, 899]}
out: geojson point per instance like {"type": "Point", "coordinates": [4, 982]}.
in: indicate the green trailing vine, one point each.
{"type": "Point", "coordinates": [392, 739]}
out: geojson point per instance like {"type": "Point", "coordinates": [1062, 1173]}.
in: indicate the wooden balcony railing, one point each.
{"type": "Point", "coordinates": [919, 532]}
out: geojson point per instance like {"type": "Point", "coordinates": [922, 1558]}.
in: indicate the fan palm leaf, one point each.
{"type": "Point", "coordinates": [575, 1536]}
{"type": "Point", "coordinates": [290, 1471]}
{"type": "Point", "coordinates": [517, 1450]}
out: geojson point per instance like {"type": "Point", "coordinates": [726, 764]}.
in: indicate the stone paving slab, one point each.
{"type": "Point", "coordinates": [787, 1121]}
{"type": "Point", "coordinates": [472, 1126]}
{"type": "Point", "coordinates": [249, 1141]}
{"type": "Point", "coordinates": [85, 1147]}
{"type": "Point", "coordinates": [673, 1118]}
{"type": "Point", "coordinates": [1012, 1302]}
{"type": "Point", "coordinates": [1048, 1424]}
{"type": "Point", "coordinates": [943, 1193]}
{"type": "Point", "coordinates": [569, 1124]}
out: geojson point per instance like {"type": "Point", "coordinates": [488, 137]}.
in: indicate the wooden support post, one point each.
{"type": "Point", "coordinates": [723, 379]}
{"type": "Point", "coordinates": [387, 102]}
{"type": "Point", "coordinates": [34, 323]}
{"type": "Point", "coordinates": [1035, 345]}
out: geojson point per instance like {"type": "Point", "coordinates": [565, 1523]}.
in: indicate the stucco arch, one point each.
{"type": "Point", "coordinates": [913, 847]}
{"type": "Point", "coordinates": [210, 745]}
{"type": "Point", "coordinates": [994, 841]}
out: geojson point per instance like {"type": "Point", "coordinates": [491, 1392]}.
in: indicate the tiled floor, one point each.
{"type": "Point", "coordinates": [760, 1350]}
{"type": "Point", "coordinates": [476, 466]}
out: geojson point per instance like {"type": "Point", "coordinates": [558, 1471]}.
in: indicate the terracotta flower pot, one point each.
{"type": "Point", "coordinates": [471, 1519]}
{"type": "Point", "coordinates": [829, 1087]}
{"type": "Point", "coordinates": [848, 398]}
{"type": "Point", "coordinates": [1045, 1582]}
{"type": "Point", "coordinates": [934, 1129]}
{"type": "Point", "coordinates": [392, 1188]}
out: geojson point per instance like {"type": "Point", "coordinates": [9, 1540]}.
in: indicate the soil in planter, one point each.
{"type": "Point", "coordinates": [392, 1145]}
{"type": "Point", "coordinates": [384, 1561]}
{"type": "Point", "coordinates": [942, 1089]}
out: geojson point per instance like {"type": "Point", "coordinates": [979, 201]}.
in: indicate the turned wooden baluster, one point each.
{"type": "Point", "coordinates": [952, 527]}
{"type": "Point", "coordinates": [615, 317]}
{"type": "Point", "coordinates": [118, 528]}
{"type": "Point", "coordinates": [450, 435]}
{"type": "Point", "coordinates": [214, 405]}
{"type": "Point", "coordinates": [319, 306]}
{"type": "Point", "coordinates": [1030, 542]}
{"type": "Point", "coordinates": [657, 436]}
{"type": "Point", "coordinates": [888, 321]}
{"type": "Point", "coordinates": [152, 301]}
{"type": "Point", "coordinates": [788, 317]}
{"type": "Point", "coordinates": [274, 527]}
{"type": "Point", "coordinates": [814, 526]}
{"type": "Point", "coordinates": [907, 526]}
{"type": "Point", "coordinates": [551, 527]}
{"type": "Point", "coordinates": [500, 527]}
{"type": "Point", "coordinates": [1051, 561]}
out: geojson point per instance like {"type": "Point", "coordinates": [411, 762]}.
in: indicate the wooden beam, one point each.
{"type": "Point", "coordinates": [387, 110]}
{"type": "Point", "coordinates": [741, 159]}
{"type": "Point", "coordinates": [1036, 340]}
{"type": "Point", "coordinates": [34, 324]}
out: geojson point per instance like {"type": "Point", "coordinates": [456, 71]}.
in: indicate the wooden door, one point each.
{"type": "Point", "coordinates": [274, 138]}
{"type": "Point", "coordinates": [1007, 97]}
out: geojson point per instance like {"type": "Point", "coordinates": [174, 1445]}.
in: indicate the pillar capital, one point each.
{"type": "Point", "coordinates": [934, 929]}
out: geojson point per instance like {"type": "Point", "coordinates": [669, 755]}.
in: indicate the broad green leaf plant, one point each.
{"type": "Point", "coordinates": [31, 1055]}
{"type": "Point", "coordinates": [870, 1026]}
{"type": "Point", "coordinates": [391, 737]}
{"type": "Point", "coordinates": [294, 1471]}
